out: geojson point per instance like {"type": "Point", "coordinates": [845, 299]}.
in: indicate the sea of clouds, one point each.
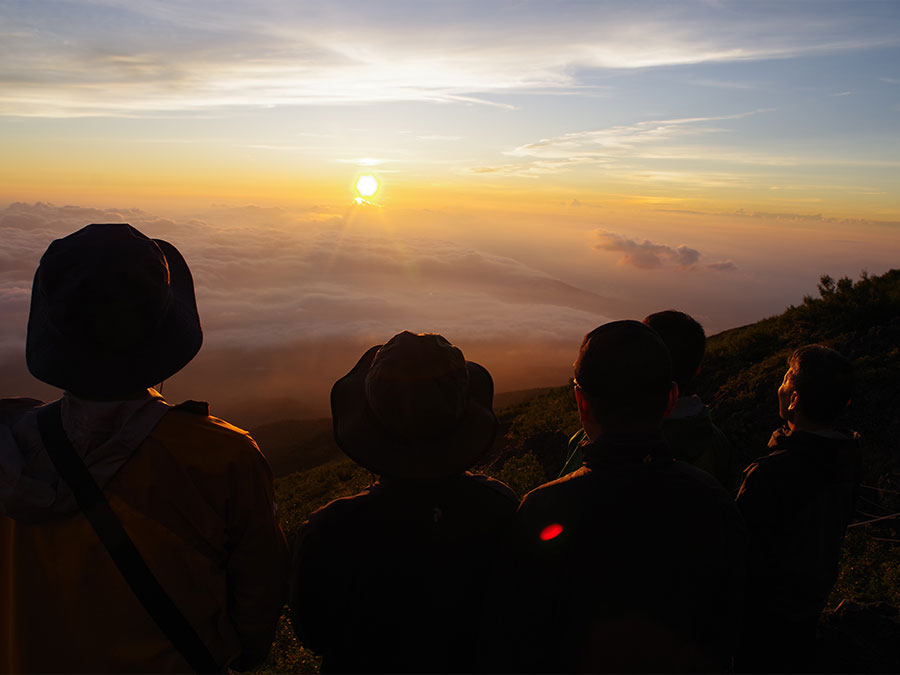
{"type": "Point", "coordinates": [289, 303]}
{"type": "Point", "coordinates": [290, 299]}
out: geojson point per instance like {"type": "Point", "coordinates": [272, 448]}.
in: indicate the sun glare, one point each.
{"type": "Point", "coordinates": [367, 185]}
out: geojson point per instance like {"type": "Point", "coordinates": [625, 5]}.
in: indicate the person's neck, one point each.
{"type": "Point", "coordinates": [621, 431]}
{"type": "Point", "coordinates": [804, 424]}
{"type": "Point", "coordinates": [131, 396]}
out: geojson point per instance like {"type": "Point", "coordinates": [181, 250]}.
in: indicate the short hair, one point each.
{"type": "Point", "coordinates": [823, 378]}
{"type": "Point", "coordinates": [686, 340]}
{"type": "Point", "coordinates": [625, 372]}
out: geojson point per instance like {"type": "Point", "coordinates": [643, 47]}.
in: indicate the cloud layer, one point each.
{"type": "Point", "coordinates": [276, 289]}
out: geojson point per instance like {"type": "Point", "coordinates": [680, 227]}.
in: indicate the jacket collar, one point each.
{"type": "Point", "coordinates": [104, 433]}
{"type": "Point", "coordinates": [786, 439]}
{"type": "Point", "coordinates": [631, 448]}
{"type": "Point", "coordinates": [401, 486]}
{"type": "Point", "coordinates": [687, 406]}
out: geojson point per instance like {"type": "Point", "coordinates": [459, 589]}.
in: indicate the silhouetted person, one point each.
{"type": "Point", "coordinates": [797, 502]}
{"type": "Point", "coordinates": [112, 464]}
{"type": "Point", "coordinates": [688, 427]}
{"type": "Point", "coordinates": [652, 549]}
{"type": "Point", "coordinates": [392, 579]}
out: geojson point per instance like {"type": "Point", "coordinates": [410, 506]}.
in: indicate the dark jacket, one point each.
{"type": "Point", "coordinates": [797, 502]}
{"type": "Point", "coordinates": [652, 551]}
{"type": "Point", "coordinates": [694, 439]}
{"type": "Point", "coordinates": [393, 579]}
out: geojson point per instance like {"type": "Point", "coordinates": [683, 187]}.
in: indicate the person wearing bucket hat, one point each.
{"type": "Point", "coordinates": [387, 580]}
{"type": "Point", "coordinates": [114, 503]}
{"type": "Point", "coordinates": [652, 549]}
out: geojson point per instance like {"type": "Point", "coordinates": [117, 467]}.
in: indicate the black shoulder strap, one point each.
{"type": "Point", "coordinates": [122, 550]}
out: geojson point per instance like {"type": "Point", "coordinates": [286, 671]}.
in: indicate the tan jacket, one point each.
{"type": "Point", "coordinates": [196, 498]}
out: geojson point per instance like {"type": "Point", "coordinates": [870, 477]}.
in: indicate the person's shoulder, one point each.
{"type": "Point", "coordinates": [343, 510]}
{"type": "Point", "coordinates": [765, 472]}
{"type": "Point", "coordinates": [559, 491]}
{"type": "Point", "coordinates": [789, 452]}
{"type": "Point", "coordinates": [492, 487]}
{"type": "Point", "coordinates": [688, 472]}
{"type": "Point", "coordinates": [13, 408]}
{"type": "Point", "coordinates": [190, 425]}
{"type": "Point", "coordinates": [690, 481]}
{"type": "Point", "coordinates": [195, 416]}
{"type": "Point", "coordinates": [833, 437]}
{"type": "Point", "coordinates": [698, 427]}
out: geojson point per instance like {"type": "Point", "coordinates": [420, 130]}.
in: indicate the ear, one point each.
{"type": "Point", "coordinates": [584, 408]}
{"type": "Point", "coordinates": [673, 398]}
{"type": "Point", "coordinates": [795, 400]}
{"type": "Point", "coordinates": [588, 421]}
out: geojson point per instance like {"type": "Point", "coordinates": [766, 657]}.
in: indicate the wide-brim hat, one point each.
{"type": "Point", "coordinates": [414, 408]}
{"type": "Point", "coordinates": [112, 312]}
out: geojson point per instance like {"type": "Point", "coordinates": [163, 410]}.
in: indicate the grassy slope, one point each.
{"type": "Point", "coordinates": [742, 370]}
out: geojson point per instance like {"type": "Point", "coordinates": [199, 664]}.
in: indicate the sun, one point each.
{"type": "Point", "coordinates": [367, 185]}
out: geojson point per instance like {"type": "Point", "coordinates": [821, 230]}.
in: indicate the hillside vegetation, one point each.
{"type": "Point", "coordinates": [741, 373]}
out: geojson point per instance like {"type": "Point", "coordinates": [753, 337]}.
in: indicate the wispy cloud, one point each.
{"type": "Point", "coordinates": [650, 255]}
{"type": "Point", "coordinates": [661, 139]}
{"type": "Point", "coordinates": [625, 139]}
{"type": "Point", "coordinates": [123, 58]}
{"type": "Point", "coordinates": [816, 218]}
{"type": "Point", "coordinates": [726, 84]}
{"type": "Point", "coordinates": [535, 169]}
{"type": "Point", "coordinates": [365, 161]}
{"type": "Point", "coordinates": [812, 218]}
{"type": "Point", "coordinates": [686, 145]}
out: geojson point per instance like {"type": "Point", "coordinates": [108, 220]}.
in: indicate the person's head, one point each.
{"type": "Point", "coordinates": [112, 313]}
{"type": "Point", "coordinates": [415, 409]}
{"type": "Point", "coordinates": [816, 388]}
{"type": "Point", "coordinates": [623, 379]}
{"type": "Point", "coordinates": [686, 341]}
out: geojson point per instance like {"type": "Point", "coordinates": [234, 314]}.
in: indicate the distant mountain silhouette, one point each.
{"type": "Point", "coordinates": [293, 445]}
{"type": "Point", "coordinates": [297, 445]}
{"type": "Point", "coordinates": [257, 412]}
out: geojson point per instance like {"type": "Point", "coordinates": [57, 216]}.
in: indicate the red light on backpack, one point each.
{"type": "Point", "coordinates": [552, 531]}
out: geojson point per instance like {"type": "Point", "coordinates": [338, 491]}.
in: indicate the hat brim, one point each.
{"type": "Point", "coordinates": [363, 438]}
{"type": "Point", "coordinates": [99, 373]}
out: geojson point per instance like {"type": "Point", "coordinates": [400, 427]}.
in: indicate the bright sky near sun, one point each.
{"type": "Point", "coordinates": [783, 105]}
{"type": "Point", "coordinates": [715, 156]}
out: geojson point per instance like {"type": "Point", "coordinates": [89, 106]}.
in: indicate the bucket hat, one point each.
{"type": "Point", "coordinates": [112, 312]}
{"type": "Point", "coordinates": [414, 408]}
